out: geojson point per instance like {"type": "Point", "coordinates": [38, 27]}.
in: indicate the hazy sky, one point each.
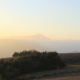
{"type": "Point", "coordinates": [56, 19]}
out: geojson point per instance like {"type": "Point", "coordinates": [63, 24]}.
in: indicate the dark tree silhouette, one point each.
{"type": "Point", "coordinates": [29, 61]}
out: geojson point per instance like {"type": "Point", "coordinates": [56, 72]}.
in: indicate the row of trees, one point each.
{"type": "Point", "coordinates": [28, 62]}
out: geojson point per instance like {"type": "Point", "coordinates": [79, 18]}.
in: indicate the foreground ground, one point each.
{"type": "Point", "coordinates": [71, 72]}
{"type": "Point", "coordinates": [62, 78]}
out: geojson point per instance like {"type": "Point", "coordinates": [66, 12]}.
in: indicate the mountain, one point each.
{"type": "Point", "coordinates": [9, 46]}
{"type": "Point", "coordinates": [38, 37]}
{"type": "Point", "coordinates": [38, 42]}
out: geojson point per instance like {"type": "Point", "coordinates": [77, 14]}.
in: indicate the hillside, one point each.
{"type": "Point", "coordinates": [41, 43]}
{"type": "Point", "coordinates": [37, 37]}
{"type": "Point", "coordinates": [38, 42]}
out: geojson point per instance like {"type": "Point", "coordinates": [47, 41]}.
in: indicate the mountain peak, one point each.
{"type": "Point", "coordinates": [38, 37]}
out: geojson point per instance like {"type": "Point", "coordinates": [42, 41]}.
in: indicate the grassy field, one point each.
{"type": "Point", "coordinates": [71, 72]}
{"type": "Point", "coordinates": [62, 78]}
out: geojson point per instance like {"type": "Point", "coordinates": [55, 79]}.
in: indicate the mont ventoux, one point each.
{"type": "Point", "coordinates": [38, 42]}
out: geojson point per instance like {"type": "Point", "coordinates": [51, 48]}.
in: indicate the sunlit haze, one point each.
{"type": "Point", "coordinates": [43, 25]}
{"type": "Point", "coordinates": [56, 19]}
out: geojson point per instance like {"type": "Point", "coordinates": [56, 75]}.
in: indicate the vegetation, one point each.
{"type": "Point", "coordinates": [0, 77]}
{"type": "Point", "coordinates": [68, 71]}
{"type": "Point", "coordinates": [28, 62]}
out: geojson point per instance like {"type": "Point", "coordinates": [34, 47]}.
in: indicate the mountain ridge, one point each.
{"type": "Point", "coordinates": [36, 37]}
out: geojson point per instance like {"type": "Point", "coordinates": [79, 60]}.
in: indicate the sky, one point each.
{"type": "Point", "coordinates": [56, 19]}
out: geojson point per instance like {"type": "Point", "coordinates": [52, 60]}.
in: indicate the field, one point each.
{"type": "Point", "coordinates": [62, 78]}
{"type": "Point", "coordinates": [71, 72]}
{"type": "Point", "coordinates": [70, 58]}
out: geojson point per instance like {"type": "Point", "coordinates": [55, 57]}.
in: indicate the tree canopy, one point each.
{"type": "Point", "coordinates": [29, 61]}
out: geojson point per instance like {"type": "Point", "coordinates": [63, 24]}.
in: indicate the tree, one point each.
{"type": "Point", "coordinates": [0, 77]}
{"type": "Point", "coordinates": [15, 54]}
{"type": "Point", "coordinates": [28, 62]}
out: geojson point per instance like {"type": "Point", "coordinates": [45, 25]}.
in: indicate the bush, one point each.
{"type": "Point", "coordinates": [28, 62]}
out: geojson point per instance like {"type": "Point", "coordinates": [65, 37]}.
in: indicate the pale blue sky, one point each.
{"type": "Point", "coordinates": [56, 19]}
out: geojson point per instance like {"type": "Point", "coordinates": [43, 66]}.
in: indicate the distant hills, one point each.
{"type": "Point", "coordinates": [38, 42]}
{"type": "Point", "coordinates": [38, 37]}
